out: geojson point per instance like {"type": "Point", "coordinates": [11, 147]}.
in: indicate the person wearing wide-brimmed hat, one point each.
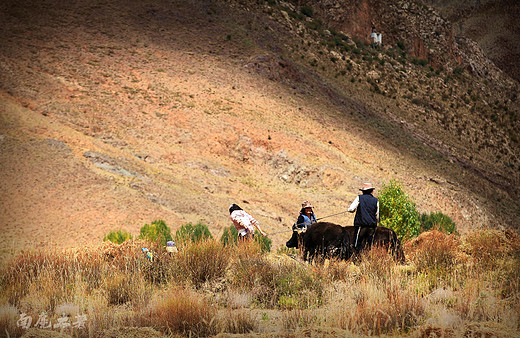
{"type": "Point", "coordinates": [366, 207]}
{"type": "Point", "coordinates": [306, 216]}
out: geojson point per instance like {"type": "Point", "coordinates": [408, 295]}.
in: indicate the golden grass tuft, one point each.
{"type": "Point", "coordinates": [201, 262]}
{"type": "Point", "coordinates": [284, 284]}
{"type": "Point", "coordinates": [295, 320]}
{"type": "Point", "coordinates": [488, 246]}
{"type": "Point", "coordinates": [376, 263]}
{"type": "Point", "coordinates": [371, 308]}
{"type": "Point", "coordinates": [8, 316]}
{"type": "Point", "coordinates": [236, 322]}
{"type": "Point", "coordinates": [180, 310]}
{"type": "Point", "coordinates": [433, 249]}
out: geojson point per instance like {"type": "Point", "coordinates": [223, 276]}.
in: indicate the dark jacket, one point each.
{"type": "Point", "coordinates": [366, 211]}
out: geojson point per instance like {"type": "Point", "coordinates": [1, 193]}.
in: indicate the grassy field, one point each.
{"type": "Point", "coordinates": [451, 286]}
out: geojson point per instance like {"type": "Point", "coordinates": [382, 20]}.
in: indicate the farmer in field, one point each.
{"type": "Point", "coordinates": [366, 207]}
{"type": "Point", "coordinates": [306, 217]}
{"type": "Point", "coordinates": [244, 223]}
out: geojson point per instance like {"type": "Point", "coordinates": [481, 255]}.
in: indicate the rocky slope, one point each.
{"type": "Point", "coordinates": [118, 113]}
{"type": "Point", "coordinates": [493, 25]}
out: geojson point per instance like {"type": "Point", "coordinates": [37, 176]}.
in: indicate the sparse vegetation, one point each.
{"type": "Point", "coordinates": [307, 11]}
{"type": "Point", "coordinates": [210, 289]}
{"type": "Point", "coordinates": [154, 101]}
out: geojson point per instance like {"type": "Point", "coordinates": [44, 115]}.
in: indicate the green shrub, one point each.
{"type": "Point", "coordinates": [230, 237]}
{"type": "Point", "coordinates": [193, 233]}
{"type": "Point", "coordinates": [264, 241]}
{"type": "Point", "coordinates": [398, 211]}
{"type": "Point", "coordinates": [420, 62]}
{"type": "Point", "coordinates": [117, 237]}
{"type": "Point", "coordinates": [400, 44]}
{"type": "Point", "coordinates": [437, 221]}
{"type": "Point", "coordinates": [158, 231]}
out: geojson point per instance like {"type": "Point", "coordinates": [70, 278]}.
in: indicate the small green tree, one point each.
{"type": "Point", "coordinates": [398, 211]}
{"type": "Point", "coordinates": [437, 221]}
{"type": "Point", "coordinates": [158, 231]}
{"type": "Point", "coordinates": [192, 233]}
{"type": "Point", "coordinates": [117, 237]}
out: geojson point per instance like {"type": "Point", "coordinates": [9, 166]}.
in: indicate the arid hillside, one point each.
{"type": "Point", "coordinates": [493, 24]}
{"type": "Point", "coordinates": [116, 113]}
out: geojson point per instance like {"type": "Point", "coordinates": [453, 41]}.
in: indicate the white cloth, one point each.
{"type": "Point", "coordinates": [243, 222]}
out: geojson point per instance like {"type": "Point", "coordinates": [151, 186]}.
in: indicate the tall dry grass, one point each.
{"type": "Point", "coordinates": [202, 262]}
{"type": "Point", "coordinates": [284, 284]}
{"type": "Point", "coordinates": [452, 286]}
{"type": "Point", "coordinates": [236, 322]}
{"type": "Point", "coordinates": [373, 299]}
{"type": "Point", "coordinates": [180, 310]}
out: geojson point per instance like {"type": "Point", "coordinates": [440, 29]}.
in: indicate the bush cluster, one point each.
{"type": "Point", "coordinates": [398, 211]}
{"type": "Point", "coordinates": [158, 231]}
{"type": "Point", "coordinates": [437, 221]}
{"type": "Point", "coordinates": [192, 233]}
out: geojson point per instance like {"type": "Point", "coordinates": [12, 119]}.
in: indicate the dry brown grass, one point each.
{"type": "Point", "coordinates": [294, 320]}
{"type": "Point", "coordinates": [271, 283]}
{"type": "Point", "coordinates": [202, 262]}
{"type": "Point", "coordinates": [236, 322]}
{"type": "Point", "coordinates": [373, 306]}
{"type": "Point", "coordinates": [486, 247]}
{"type": "Point", "coordinates": [183, 311]}
{"type": "Point", "coordinates": [449, 289]}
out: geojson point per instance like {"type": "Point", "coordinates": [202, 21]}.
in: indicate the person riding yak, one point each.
{"type": "Point", "coordinates": [366, 207]}
{"type": "Point", "coordinates": [306, 217]}
{"type": "Point", "coordinates": [243, 222]}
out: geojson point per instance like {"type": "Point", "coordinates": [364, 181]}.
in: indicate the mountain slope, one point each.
{"type": "Point", "coordinates": [116, 114]}
{"type": "Point", "coordinates": [493, 24]}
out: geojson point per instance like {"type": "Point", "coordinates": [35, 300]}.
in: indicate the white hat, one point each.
{"type": "Point", "coordinates": [367, 186]}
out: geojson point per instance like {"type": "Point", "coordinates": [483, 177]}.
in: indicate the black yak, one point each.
{"type": "Point", "coordinates": [322, 238]}
{"type": "Point", "coordinates": [334, 241]}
